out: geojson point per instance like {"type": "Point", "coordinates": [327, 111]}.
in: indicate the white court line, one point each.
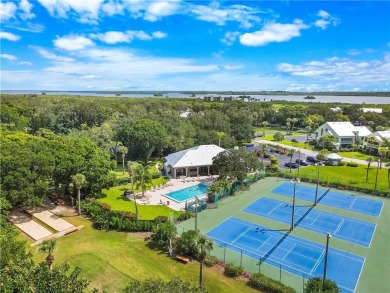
{"type": "Point", "coordinates": [318, 262]}
{"type": "Point", "coordinates": [339, 226]}
{"type": "Point", "coordinates": [239, 236]}
{"type": "Point", "coordinates": [315, 219]}
{"type": "Point", "coordinates": [352, 203]}
{"type": "Point", "coordinates": [275, 208]}
{"type": "Point", "coordinates": [288, 252]}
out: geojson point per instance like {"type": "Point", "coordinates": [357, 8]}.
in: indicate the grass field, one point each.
{"type": "Point", "coordinates": [344, 175]}
{"type": "Point", "coordinates": [111, 259]}
{"type": "Point", "coordinates": [118, 202]}
{"type": "Point", "coordinates": [355, 155]}
{"type": "Point", "coordinates": [375, 266]}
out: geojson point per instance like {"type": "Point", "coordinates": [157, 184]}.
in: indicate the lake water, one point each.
{"type": "Point", "coordinates": [267, 98]}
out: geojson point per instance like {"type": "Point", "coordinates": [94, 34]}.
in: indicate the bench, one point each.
{"type": "Point", "coordinates": [182, 259]}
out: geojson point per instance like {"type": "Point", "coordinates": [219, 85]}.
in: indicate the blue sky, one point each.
{"type": "Point", "coordinates": [195, 45]}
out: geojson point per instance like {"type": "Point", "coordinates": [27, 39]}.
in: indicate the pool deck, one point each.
{"type": "Point", "coordinates": [158, 197]}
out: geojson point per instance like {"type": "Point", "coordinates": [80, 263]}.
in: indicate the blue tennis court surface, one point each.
{"type": "Point", "coordinates": [355, 231]}
{"type": "Point", "coordinates": [331, 198]}
{"type": "Point", "coordinates": [295, 254]}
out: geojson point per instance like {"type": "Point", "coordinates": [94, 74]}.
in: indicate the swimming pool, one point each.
{"type": "Point", "coordinates": [187, 193]}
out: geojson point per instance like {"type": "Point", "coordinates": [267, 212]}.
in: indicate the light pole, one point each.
{"type": "Point", "coordinates": [328, 236]}
{"type": "Point", "coordinates": [196, 214]}
{"type": "Point", "coordinates": [295, 181]}
{"type": "Point", "coordinates": [299, 161]}
{"type": "Point", "coordinates": [318, 182]}
{"type": "Point", "coordinates": [376, 176]}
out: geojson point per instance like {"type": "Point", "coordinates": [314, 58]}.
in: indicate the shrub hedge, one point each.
{"type": "Point", "coordinates": [268, 285]}
{"type": "Point", "coordinates": [233, 271]}
{"type": "Point", "coordinates": [210, 261]}
{"type": "Point", "coordinates": [352, 164]}
{"type": "Point", "coordinates": [105, 219]}
{"type": "Point", "coordinates": [184, 216]}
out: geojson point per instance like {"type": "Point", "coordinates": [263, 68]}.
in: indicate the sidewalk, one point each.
{"type": "Point", "coordinates": [312, 153]}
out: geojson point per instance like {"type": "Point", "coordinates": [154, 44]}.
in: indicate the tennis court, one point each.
{"type": "Point", "coordinates": [352, 230]}
{"type": "Point", "coordinates": [295, 254]}
{"type": "Point", "coordinates": [335, 199]}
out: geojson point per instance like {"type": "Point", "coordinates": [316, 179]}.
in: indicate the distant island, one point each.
{"type": "Point", "coordinates": [309, 98]}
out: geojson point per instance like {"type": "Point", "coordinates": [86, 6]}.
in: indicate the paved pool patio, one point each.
{"type": "Point", "coordinates": [157, 196]}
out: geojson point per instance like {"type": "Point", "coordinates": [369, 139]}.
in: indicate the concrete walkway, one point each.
{"type": "Point", "coordinates": [312, 153]}
{"type": "Point", "coordinates": [157, 197]}
{"type": "Point", "coordinates": [28, 226]}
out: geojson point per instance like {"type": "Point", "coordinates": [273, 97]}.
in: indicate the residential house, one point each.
{"type": "Point", "coordinates": [346, 133]}
{"type": "Point", "coordinates": [374, 140]}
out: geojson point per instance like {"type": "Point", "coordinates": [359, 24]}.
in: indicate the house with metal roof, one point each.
{"type": "Point", "coordinates": [346, 133]}
{"type": "Point", "coordinates": [194, 161]}
{"type": "Point", "coordinates": [375, 139]}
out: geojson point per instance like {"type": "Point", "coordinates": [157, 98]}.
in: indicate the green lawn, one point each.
{"type": "Point", "coordinates": [355, 155]}
{"type": "Point", "coordinates": [288, 142]}
{"type": "Point", "coordinates": [344, 175]}
{"type": "Point", "coordinates": [111, 259]}
{"type": "Point", "coordinates": [118, 202]}
{"type": "Point", "coordinates": [272, 130]}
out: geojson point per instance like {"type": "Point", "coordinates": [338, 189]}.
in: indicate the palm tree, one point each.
{"type": "Point", "coordinates": [388, 173]}
{"type": "Point", "coordinates": [293, 121]}
{"type": "Point", "coordinates": [220, 135]}
{"type": "Point", "coordinates": [161, 168]}
{"type": "Point", "coordinates": [79, 181]}
{"type": "Point", "coordinates": [123, 150]}
{"type": "Point", "coordinates": [131, 167]}
{"type": "Point", "coordinates": [264, 124]}
{"type": "Point", "coordinates": [291, 154]}
{"type": "Point", "coordinates": [202, 244]}
{"type": "Point", "coordinates": [369, 160]}
{"type": "Point", "coordinates": [142, 177]}
{"type": "Point", "coordinates": [48, 247]}
{"type": "Point", "coordinates": [382, 152]}
{"type": "Point", "coordinates": [308, 129]}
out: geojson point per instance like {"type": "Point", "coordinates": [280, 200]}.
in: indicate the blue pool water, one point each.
{"type": "Point", "coordinates": [187, 193]}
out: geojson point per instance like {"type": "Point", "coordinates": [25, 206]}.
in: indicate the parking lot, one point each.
{"type": "Point", "coordinates": [283, 159]}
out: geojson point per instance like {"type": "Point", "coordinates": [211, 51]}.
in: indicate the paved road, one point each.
{"type": "Point", "coordinates": [310, 152]}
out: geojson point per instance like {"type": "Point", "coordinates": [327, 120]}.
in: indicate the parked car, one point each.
{"type": "Point", "coordinates": [301, 162]}
{"type": "Point", "coordinates": [294, 140]}
{"type": "Point", "coordinates": [293, 165]}
{"type": "Point", "coordinates": [312, 160]}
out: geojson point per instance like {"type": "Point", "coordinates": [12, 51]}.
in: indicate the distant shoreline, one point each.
{"type": "Point", "coordinates": [260, 93]}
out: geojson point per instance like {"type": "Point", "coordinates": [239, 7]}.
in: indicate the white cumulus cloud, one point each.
{"type": "Point", "coordinates": [273, 32]}
{"type": "Point", "coordinates": [157, 10]}
{"type": "Point", "coordinates": [9, 36]}
{"type": "Point", "coordinates": [325, 20]}
{"type": "Point", "coordinates": [26, 7]}
{"type": "Point", "coordinates": [229, 38]}
{"type": "Point", "coordinates": [48, 55]}
{"type": "Point", "coordinates": [86, 11]}
{"type": "Point", "coordinates": [245, 15]}
{"type": "Point", "coordinates": [7, 10]}
{"type": "Point", "coordinates": [341, 70]}
{"type": "Point", "coordinates": [8, 57]}
{"type": "Point", "coordinates": [72, 43]}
